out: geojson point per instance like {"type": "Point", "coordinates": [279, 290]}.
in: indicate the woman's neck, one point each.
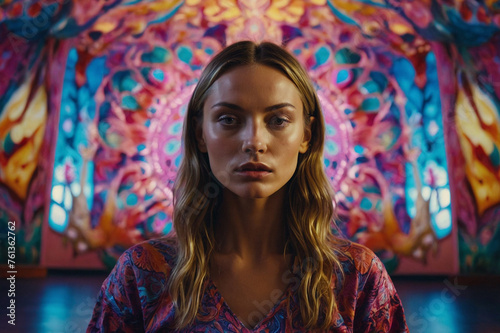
{"type": "Point", "coordinates": [252, 229]}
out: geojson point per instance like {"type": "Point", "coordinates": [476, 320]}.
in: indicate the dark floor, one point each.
{"type": "Point", "coordinates": [63, 302]}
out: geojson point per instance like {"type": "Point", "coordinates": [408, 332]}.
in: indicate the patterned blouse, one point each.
{"type": "Point", "coordinates": [134, 298]}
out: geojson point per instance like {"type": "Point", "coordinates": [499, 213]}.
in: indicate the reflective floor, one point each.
{"type": "Point", "coordinates": [450, 305]}
{"type": "Point", "coordinates": [63, 302]}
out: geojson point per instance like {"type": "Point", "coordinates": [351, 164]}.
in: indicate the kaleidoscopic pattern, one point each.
{"type": "Point", "coordinates": [93, 95]}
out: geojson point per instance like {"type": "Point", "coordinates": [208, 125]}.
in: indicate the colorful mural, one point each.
{"type": "Point", "coordinates": [93, 94]}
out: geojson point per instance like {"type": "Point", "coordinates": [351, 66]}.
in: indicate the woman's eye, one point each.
{"type": "Point", "coordinates": [279, 121]}
{"type": "Point", "coordinates": [227, 120]}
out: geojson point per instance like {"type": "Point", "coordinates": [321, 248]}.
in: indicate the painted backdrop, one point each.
{"type": "Point", "coordinates": [93, 95]}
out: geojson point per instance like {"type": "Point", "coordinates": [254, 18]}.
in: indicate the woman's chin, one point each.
{"type": "Point", "coordinates": [253, 192]}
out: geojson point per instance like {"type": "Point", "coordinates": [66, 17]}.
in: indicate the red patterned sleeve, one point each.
{"type": "Point", "coordinates": [118, 306]}
{"type": "Point", "coordinates": [378, 307]}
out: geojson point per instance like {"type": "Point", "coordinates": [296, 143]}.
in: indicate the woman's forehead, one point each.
{"type": "Point", "coordinates": [253, 84]}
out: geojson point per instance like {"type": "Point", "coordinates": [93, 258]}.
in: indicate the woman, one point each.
{"type": "Point", "coordinates": [253, 249]}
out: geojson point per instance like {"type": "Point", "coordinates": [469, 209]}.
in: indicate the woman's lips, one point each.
{"type": "Point", "coordinates": [255, 174]}
{"type": "Point", "coordinates": [253, 170]}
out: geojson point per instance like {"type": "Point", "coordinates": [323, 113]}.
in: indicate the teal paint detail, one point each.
{"type": "Point", "coordinates": [346, 56]}
{"type": "Point", "coordinates": [343, 76]}
{"type": "Point", "coordinates": [159, 55]}
{"type": "Point", "coordinates": [185, 54]}
{"type": "Point", "coordinates": [331, 147]}
{"type": "Point", "coordinates": [104, 110]}
{"type": "Point", "coordinates": [495, 156]}
{"type": "Point", "coordinates": [370, 104]}
{"type": "Point", "coordinates": [371, 87]}
{"type": "Point", "coordinates": [8, 144]}
{"type": "Point", "coordinates": [321, 56]}
{"type": "Point", "coordinates": [132, 199]}
{"type": "Point", "coordinates": [122, 81]}
{"type": "Point", "coordinates": [130, 103]}
{"type": "Point", "coordinates": [128, 84]}
{"type": "Point", "coordinates": [175, 128]}
{"type": "Point", "coordinates": [330, 130]}
{"type": "Point", "coordinates": [365, 204]}
{"type": "Point", "coordinates": [167, 228]}
{"type": "Point", "coordinates": [404, 73]}
{"type": "Point", "coordinates": [359, 149]}
{"type": "Point", "coordinates": [172, 146]}
{"type": "Point", "coordinates": [177, 161]}
{"type": "Point", "coordinates": [145, 73]}
{"type": "Point", "coordinates": [95, 72]}
{"type": "Point", "coordinates": [380, 79]}
{"type": "Point", "coordinates": [372, 189]}
{"type": "Point", "coordinates": [158, 75]}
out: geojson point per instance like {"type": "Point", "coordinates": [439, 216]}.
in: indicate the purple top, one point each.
{"type": "Point", "coordinates": [134, 297]}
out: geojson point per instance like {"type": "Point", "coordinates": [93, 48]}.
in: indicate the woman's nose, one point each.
{"type": "Point", "coordinates": [254, 138]}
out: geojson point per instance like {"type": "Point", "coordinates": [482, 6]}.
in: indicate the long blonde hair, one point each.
{"type": "Point", "coordinates": [309, 208]}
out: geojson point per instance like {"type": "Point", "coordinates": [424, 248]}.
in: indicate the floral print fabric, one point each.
{"type": "Point", "coordinates": [134, 297]}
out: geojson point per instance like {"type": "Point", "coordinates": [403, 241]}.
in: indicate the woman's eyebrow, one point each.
{"type": "Point", "coordinates": [239, 108]}
{"type": "Point", "coordinates": [228, 105]}
{"type": "Point", "coordinates": [279, 106]}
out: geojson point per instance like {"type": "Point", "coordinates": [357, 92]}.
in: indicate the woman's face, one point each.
{"type": "Point", "coordinates": [253, 130]}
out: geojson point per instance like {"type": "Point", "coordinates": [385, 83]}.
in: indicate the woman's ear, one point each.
{"type": "Point", "coordinates": [307, 136]}
{"type": "Point", "coordinates": [198, 127]}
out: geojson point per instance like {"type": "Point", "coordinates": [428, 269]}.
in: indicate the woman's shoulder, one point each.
{"type": "Point", "coordinates": [154, 255]}
{"type": "Point", "coordinates": [357, 256]}
{"type": "Point", "coordinates": [368, 297]}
